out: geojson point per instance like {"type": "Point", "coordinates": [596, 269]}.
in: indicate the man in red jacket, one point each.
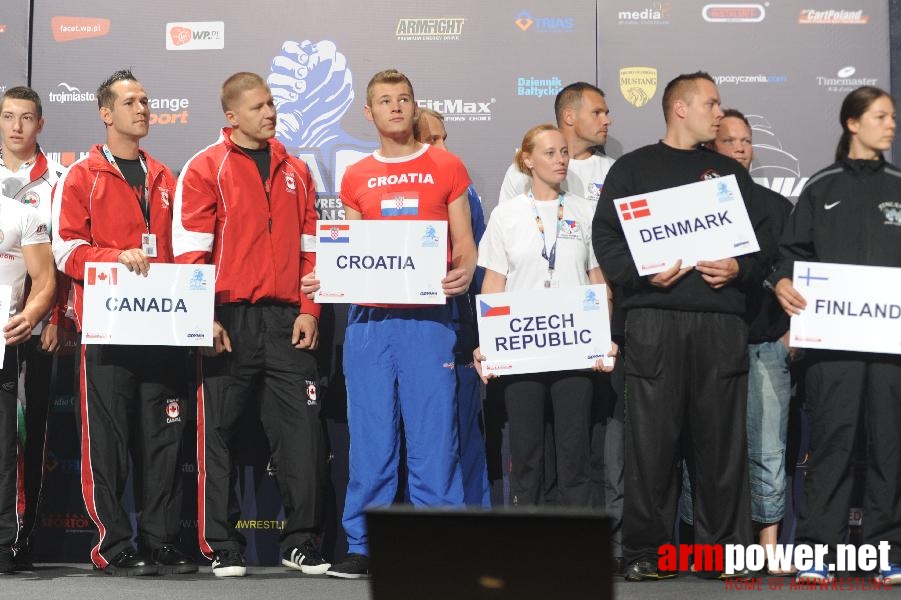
{"type": "Point", "coordinates": [113, 206]}
{"type": "Point", "coordinates": [248, 207]}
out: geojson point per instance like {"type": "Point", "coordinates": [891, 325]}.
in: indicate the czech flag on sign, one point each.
{"type": "Point", "coordinates": [493, 311]}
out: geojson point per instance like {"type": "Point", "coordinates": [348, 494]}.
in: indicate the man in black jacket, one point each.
{"type": "Point", "coordinates": [685, 346]}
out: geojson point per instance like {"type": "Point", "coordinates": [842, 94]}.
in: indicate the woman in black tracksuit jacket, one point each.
{"type": "Point", "coordinates": [850, 212]}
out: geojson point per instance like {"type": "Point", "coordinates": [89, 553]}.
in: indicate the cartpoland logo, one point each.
{"type": "Point", "coordinates": [200, 35]}
{"type": "Point", "coordinates": [67, 29]}
{"type": "Point", "coordinates": [811, 16]}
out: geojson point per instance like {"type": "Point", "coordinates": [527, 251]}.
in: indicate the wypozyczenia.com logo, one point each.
{"type": "Point", "coordinates": [733, 558]}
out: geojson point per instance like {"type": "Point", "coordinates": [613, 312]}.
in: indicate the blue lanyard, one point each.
{"type": "Point", "coordinates": [552, 258]}
{"type": "Point", "coordinates": [142, 199]}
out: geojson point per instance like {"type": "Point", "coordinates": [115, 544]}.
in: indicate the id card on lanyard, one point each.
{"type": "Point", "coordinates": [148, 240]}
{"type": "Point", "coordinates": [551, 257]}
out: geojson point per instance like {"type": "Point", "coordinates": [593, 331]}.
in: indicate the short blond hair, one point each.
{"type": "Point", "coordinates": [236, 85]}
{"type": "Point", "coordinates": [389, 76]}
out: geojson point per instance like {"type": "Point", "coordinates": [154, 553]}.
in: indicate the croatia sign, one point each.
{"type": "Point", "coordinates": [6, 292]}
{"type": "Point", "coordinates": [172, 306]}
{"type": "Point", "coordinates": [534, 331]}
{"type": "Point", "coordinates": [849, 307]}
{"type": "Point", "coordinates": [381, 262]}
{"type": "Point", "coordinates": [706, 220]}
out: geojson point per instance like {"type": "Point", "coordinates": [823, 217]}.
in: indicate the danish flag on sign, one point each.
{"type": "Point", "coordinates": [635, 209]}
{"type": "Point", "coordinates": [96, 277]}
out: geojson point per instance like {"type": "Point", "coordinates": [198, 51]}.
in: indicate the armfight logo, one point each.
{"type": "Point", "coordinates": [445, 29]}
{"type": "Point", "coordinates": [201, 35]}
{"type": "Point", "coordinates": [67, 29]}
{"type": "Point", "coordinates": [774, 167]}
{"type": "Point", "coordinates": [526, 22]}
{"type": "Point", "coordinates": [812, 16]}
{"type": "Point", "coordinates": [733, 13]}
{"type": "Point", "coordinates": [657, 13]}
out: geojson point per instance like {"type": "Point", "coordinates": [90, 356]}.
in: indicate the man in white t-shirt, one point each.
{"type": "Point", "coordinates": [24, 250]}
{"type": "Point", "coordinates": [584, 119]}
{"type": "Point", "coordinates": [28, 175]}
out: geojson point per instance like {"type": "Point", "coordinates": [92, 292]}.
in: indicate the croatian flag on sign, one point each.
{"type": "Point", "coordinates": [401, 204]}
{"type": "Point", "coordinates": [334, 234]}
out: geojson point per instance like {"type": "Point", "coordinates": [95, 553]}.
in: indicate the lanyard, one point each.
{"type": "Point", "coordinates": [552, 258]}
{"type": "Point", "coordinates": [142, 198]}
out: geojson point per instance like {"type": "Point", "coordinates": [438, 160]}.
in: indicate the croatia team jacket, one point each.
{"type": "Point", "coordinates": [260, 237]}
{"type": "Point", "coordinates": [97, 215]}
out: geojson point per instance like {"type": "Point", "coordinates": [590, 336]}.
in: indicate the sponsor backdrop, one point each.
{"type": "Point", "coordinates": [493, 69]}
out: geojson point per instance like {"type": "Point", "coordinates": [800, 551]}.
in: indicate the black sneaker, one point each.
{"type": "Point", "coordinates": [172, 561]}
{"type": "Point", "coordinates": [645, 570]}
{"type": "Point", "coordinates": [305, 558]}
{"type": "Point", "coordinates": [7, 563]}
{"type": "Point", "coordinates": [618, 566]}
{"type": "Point", "coordinates": [229, 563]}
{"type": "Point", "coordinates": [22, 558]}
{"type": "Point", "coordinates": [131, 563]}
{"type": "Point", "coordinates": [354, 566]}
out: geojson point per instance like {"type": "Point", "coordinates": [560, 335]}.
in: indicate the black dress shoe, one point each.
{"type": "Point", "coordinates": [618, 566]}
{"type": "Point", "coordinates": [131, 563]}
{"type": "Point", "coordinates": [22, 560]}
{"type": "Point", "coordinates": [172, 561]}
{"type": "Point", "coordinates": [645, 570]}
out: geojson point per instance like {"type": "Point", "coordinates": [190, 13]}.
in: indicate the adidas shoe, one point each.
{"type": "Point", "coordinates": [229, 563]}
{"type": "Point", "coordinates": [305, 558]}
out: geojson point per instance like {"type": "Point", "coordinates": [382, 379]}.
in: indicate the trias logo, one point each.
{"type": "Point", "coordinates": [635, 209]}
{"type": "Point", "coordinates": [205, 35]}
{"type": "Point", "coordinates": [66, 29]}
{"type": "Point", "coordinates": [102, 275]}
{"type": "Point", "coordinates": [457, 109]}
{"type": "Point", "coordinates": [526, 22]}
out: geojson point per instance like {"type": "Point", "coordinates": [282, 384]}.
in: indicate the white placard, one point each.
{"type": "Point", "coordinates": [381, 262]}
{"type": "Point", "coordinates": [535, 331]}
{"type": "Point", "coordinates": [6, 293]}
{"type": "Point", "coordinates": [172, 306]}
{"type": "Point", "coordinates": [706, 220]}
{"type": "Point", "coordinates": [849, 307]}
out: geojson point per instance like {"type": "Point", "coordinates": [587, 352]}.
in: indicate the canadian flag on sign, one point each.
{"type": "Point", "coordinates": [102, 276]}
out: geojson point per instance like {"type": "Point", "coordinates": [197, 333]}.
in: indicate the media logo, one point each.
{"type": "Point", "coordinates": [429, 30]}
{"type": "Point", "coordinates": [634, 209]}
{"type": "Point", "coordinates": [638, 84]}
{"type": "Point", "coordinates": [334, 234]}
{"type": "Point", "coordinates": [538, 88]}
{"type": "Point", "coordinates": [844, 80]}
{"type": "Point", "coordinates": [458, 109]}
{"type": "Point", "coordinates": [526, 22]}
{"type": "Point", "coordinates": [657, 13]}
{"type": "Point", "coordinates": [733, 13]}
{"type": "Point", "coordinates": [811, 16]}
{"type": "Point", "coordinates": [69, 93]}
{"type": "Point", "coordinates": [67, 29]}
{"type": "Point", "coordinates": [201, 35]}
{"type": "Point", "coordinates": [487, 310]}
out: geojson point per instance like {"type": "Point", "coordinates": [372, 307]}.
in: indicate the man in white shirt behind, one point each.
{"type": "Point", "coordinates": [584, 119]}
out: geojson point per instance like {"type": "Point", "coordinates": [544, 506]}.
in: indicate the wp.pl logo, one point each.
{"type": "Point", "coordinates": [205, 35]}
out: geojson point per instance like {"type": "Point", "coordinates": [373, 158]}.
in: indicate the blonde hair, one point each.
{"type": "Point", "coordinates": [236, 85]}
{"type": "Point", "coordinates": [528, 145]}
{"type": "Point", "coordinates": [389, 76]}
